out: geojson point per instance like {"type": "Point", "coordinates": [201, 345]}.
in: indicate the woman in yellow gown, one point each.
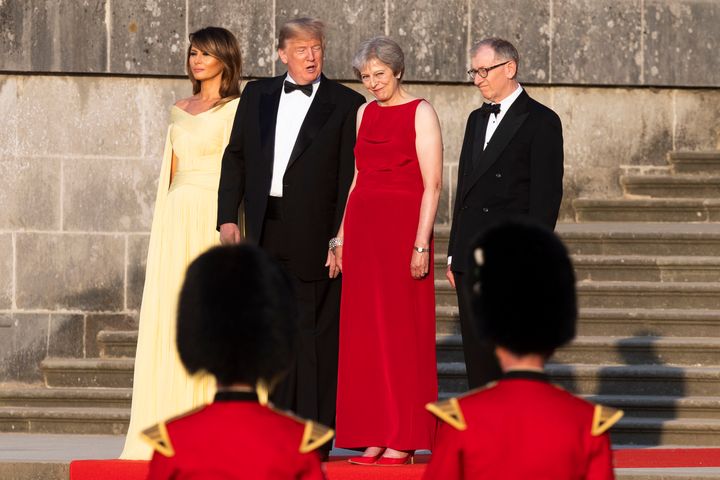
{"type": "Point", "coordinates": [183, 227]}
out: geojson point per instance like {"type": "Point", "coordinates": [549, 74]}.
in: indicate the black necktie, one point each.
{"type": "Point", "coordinates": [488, 108]}
{"type": "Point", "coordinates": [291, 87]}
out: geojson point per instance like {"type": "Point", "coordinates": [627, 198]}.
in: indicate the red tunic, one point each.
{"type": "Point", "coordinates": [236, 439]}
{"type": "Point", "coordinates": [521, 428]}
{"type": "Point", "coordinates": [387, 370]}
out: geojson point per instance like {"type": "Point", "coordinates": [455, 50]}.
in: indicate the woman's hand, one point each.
{"type": "Point", "coordinates": [338, 257]}
{"type": "Point", "coordinates": [419, 264]}
{"type": "Point", "coordinates": [333, 269]}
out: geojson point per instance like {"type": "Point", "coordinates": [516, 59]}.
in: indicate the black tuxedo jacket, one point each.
{"type": "Point", "coordinates": [518, 174]}
{"type": "Point", "coordinates": [318, 175]}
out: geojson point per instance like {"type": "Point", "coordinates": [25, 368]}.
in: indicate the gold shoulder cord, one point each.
{"type": "Point", "coordinates": [448, 411]}
{"type": "Point", "coordinates": [314, 436]}
{"type": "Point", "coordinates": [157, 436]}
{"type": "Point", "coordinates": [604, 418]}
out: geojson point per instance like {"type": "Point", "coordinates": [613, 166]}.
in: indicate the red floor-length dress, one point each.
{"type": "Point", "coordinates": [387, 370]}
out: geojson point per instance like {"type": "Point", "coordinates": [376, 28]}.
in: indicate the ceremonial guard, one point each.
{"type": "Point", "coordinates": [237, 321]}
{"type": "Point", "coordinates": [522, 427]}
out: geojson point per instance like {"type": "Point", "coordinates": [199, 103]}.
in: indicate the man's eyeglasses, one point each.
{"type": "Point", "coordinates": [482, 71]}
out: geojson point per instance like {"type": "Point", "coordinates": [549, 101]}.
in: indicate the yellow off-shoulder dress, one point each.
{"type": "Point", "coordinates": [183, 227]}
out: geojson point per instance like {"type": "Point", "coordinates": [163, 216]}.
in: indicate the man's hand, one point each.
{"type": "Point", "coordinates": [450, 276]}
{"type": "Point", "coordinates": [230, 234]}
{"type": "Point", "coordinates": [334, 270]}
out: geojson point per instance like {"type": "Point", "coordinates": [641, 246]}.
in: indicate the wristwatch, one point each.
{"type": "Point", "coordinates": [421, 249]}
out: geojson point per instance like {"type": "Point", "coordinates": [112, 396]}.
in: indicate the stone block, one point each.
{"type": "Point", "coordinates": [682, 42]}
{"type": "Point", "coordinates": [70, 271]}
{"type": "Point", "coordinates": [597, 42]}
{"type": "Point", "coordinates": [348, 22]}
{"type": "Point", "coordinates": [30, 193]}
{"type": "Point", "coordinates": [6, 345]}
{"type": "Point", "coordinates": [95, 323]}
{"type": "Point", "coordinates": [66, 335]}
{"type": "Point", "coordinates": [525, 23]}
{"type": "Point", "coordinates": [25, 345]}
{"type": "Point", "coordinates": [444, 205]}
{"type": "Point", "coordinates": [697, 120]}
{"type": "Point", "coordinates": [53, 36]}
{"type": "Point", "coordinates": [433, 36]}
{"type": "Point", "coordinates": [148, 37]}
{"type": "Point", "coordinates": [108, 195]}
{"type": "Point", "coordinates": [250, 21]}
{"type": "Point", "coordinates": [8, 105]}
{"type": "Point", "coordinates": [601, 133]}
{"type": "Point", "coordinates": [78, 116]}
{"type": "Point", "coordinates": [7, 257]}
{"type": "Point", "coordinates": [156, 97]}
{"type": "Point", "coordinates": [137, 256]}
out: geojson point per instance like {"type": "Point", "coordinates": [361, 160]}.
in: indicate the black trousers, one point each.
{"type": "Point", "coordinates": [310, 386]}
{"type": "Point", "coordinates": [480, 361]}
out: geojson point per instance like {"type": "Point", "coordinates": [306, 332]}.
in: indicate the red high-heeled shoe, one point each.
{"type": "Point", "coordinates": [391, 461]}
{"type": "Point", "coordinates": [362, 460]}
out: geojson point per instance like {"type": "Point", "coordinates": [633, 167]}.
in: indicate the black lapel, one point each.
{"type": "Point", "coordinates": [269, 103]}
{"type": "Point", "coordinates": [507, 129]}
{"type": "Point", "coordinates": [319, 112]}
{"type": "Point", "coordinates": [479, 141]}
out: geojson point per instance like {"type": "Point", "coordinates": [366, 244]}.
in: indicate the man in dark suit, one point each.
{"type": "Point", "coordinates": [511, 164]}
{"type": "Point", "coordinates": [290, 159]}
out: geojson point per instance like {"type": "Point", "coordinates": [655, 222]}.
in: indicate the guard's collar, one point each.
{"type": "Point", "coordinates": [235, 396]}
{"type": "Point", "coordinates": [526, 375]}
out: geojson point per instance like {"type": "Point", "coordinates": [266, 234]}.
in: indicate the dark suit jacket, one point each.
{"type": "Point", "coordinates": [518, 174]}
{"type": "Point", "coordinates": [318, 176]}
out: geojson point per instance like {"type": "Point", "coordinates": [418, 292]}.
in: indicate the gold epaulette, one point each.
{"type": "Point", "coordinates": [315, 436]}
{"type": "Point", "coordinates": [448, 411]}
{"type": "Point", "coordinates": [604, 418]}
{"type": "Point", "coordinates": [157, 436]}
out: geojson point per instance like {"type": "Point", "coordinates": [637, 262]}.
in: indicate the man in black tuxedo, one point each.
{"type": "Point", "coordinates": [290, 159]}
{"type": "Point", "coordinates": [511, 165]}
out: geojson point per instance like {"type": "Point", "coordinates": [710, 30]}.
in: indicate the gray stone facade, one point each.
{"type": "Point", "coordinates": [573, 42]}
{"type": "Point", "coordinates": [79, 154]}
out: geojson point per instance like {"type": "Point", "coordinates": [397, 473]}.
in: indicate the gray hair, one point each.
{"type": "Point", "coordinates": [503, 49]}
{"type": "Point", "coordinates": [383, 49]}
{"type": "Point", "coordinates": [303, 26]}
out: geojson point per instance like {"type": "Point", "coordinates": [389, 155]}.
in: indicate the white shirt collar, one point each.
{"type": "Point", "coordinates": [506, 102]}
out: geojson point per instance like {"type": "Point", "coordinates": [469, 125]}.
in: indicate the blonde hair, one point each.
{"type": "Point", "coordinates": [303, 26]}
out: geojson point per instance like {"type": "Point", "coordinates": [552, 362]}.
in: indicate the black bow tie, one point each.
{"type": "Point", "coordinates": [291, 87]}
{"type": "Point", "coordinates": [488, 108]}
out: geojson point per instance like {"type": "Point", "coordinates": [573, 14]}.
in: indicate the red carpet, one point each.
{"type": "Point", "coordinates": [339, 469]}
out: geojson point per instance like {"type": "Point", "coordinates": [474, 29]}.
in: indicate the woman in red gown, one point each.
{"type": "Point", "coordinates": [387, 370]}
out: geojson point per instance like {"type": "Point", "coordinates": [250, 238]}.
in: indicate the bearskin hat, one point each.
{"type": "Point", "coordinates": [236, 316]}
{"type": "Point", "coordinates": [523, 288]}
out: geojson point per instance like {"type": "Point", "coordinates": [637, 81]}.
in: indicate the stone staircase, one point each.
{"type": "Point", "coordinates": [648, 270]}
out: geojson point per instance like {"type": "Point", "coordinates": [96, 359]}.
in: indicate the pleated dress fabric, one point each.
{"type": "Point", "coordinates": [183, 227]}
{"type": "Point", "coordinates": [387, 369]}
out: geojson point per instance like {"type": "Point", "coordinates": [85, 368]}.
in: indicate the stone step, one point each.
{"type": "Point", "coordinates": [445, 295]}
{"type": "Point", "coordinates": [672, 186]}
{"type": "Point", "coordinates": [41, 396]}
{"type": "Point", "coordinates": [88, 372]}
{"type": "Point", "coordinates": [623, 238]}
{"type": "Point", "coordinates": [640, 350]}
{"type": "Point", "coordinates": [653, 321]}
{"type": "Point", "coordinates": [647, 210]}
{"type": "Point", "coordinates": [658, 406]}
{"type": "Point", "coordinates": [117, 344]}
{"type": "Point", "coordinates": [661, 431]}
{"type": "Point", "coordinates": [695, 162]}
{"type": "Point", "coordinates": [656, 380]}
{"type": "Point", "coordinates": [657, 322]}
{"type": "Point", "coordinates": [67, 420]}
{"type": "Point", "coordinates": [646, 268]}
{"type": "Point", "coordinates": [691, 295]}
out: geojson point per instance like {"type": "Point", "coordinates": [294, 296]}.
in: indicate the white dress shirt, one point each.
{"type": "Point", "coordinates": [290, 116]}
{"type": "Point", "coordinates": [495, 119]}
{"type": "Point", "coordinates": [493, 122]}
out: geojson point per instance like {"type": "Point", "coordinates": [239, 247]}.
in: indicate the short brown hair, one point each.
{"type": "Point", "coordinates": [221, 44]}
{"type": "Point", "coordinates": [303, 26]}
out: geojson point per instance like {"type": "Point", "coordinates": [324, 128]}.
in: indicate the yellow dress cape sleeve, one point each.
{"type": "Point", "coordinates": [448, 411]}
{"type": "Point", "coordinates": [604, 418]}
{"type": "Point", "coordinates": [157, 436]}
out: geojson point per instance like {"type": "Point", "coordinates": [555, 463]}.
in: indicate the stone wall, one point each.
{"type": "Point", "coordinates": [571, 42]}
{"type": "Point", "coordinates": [86, 86]}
